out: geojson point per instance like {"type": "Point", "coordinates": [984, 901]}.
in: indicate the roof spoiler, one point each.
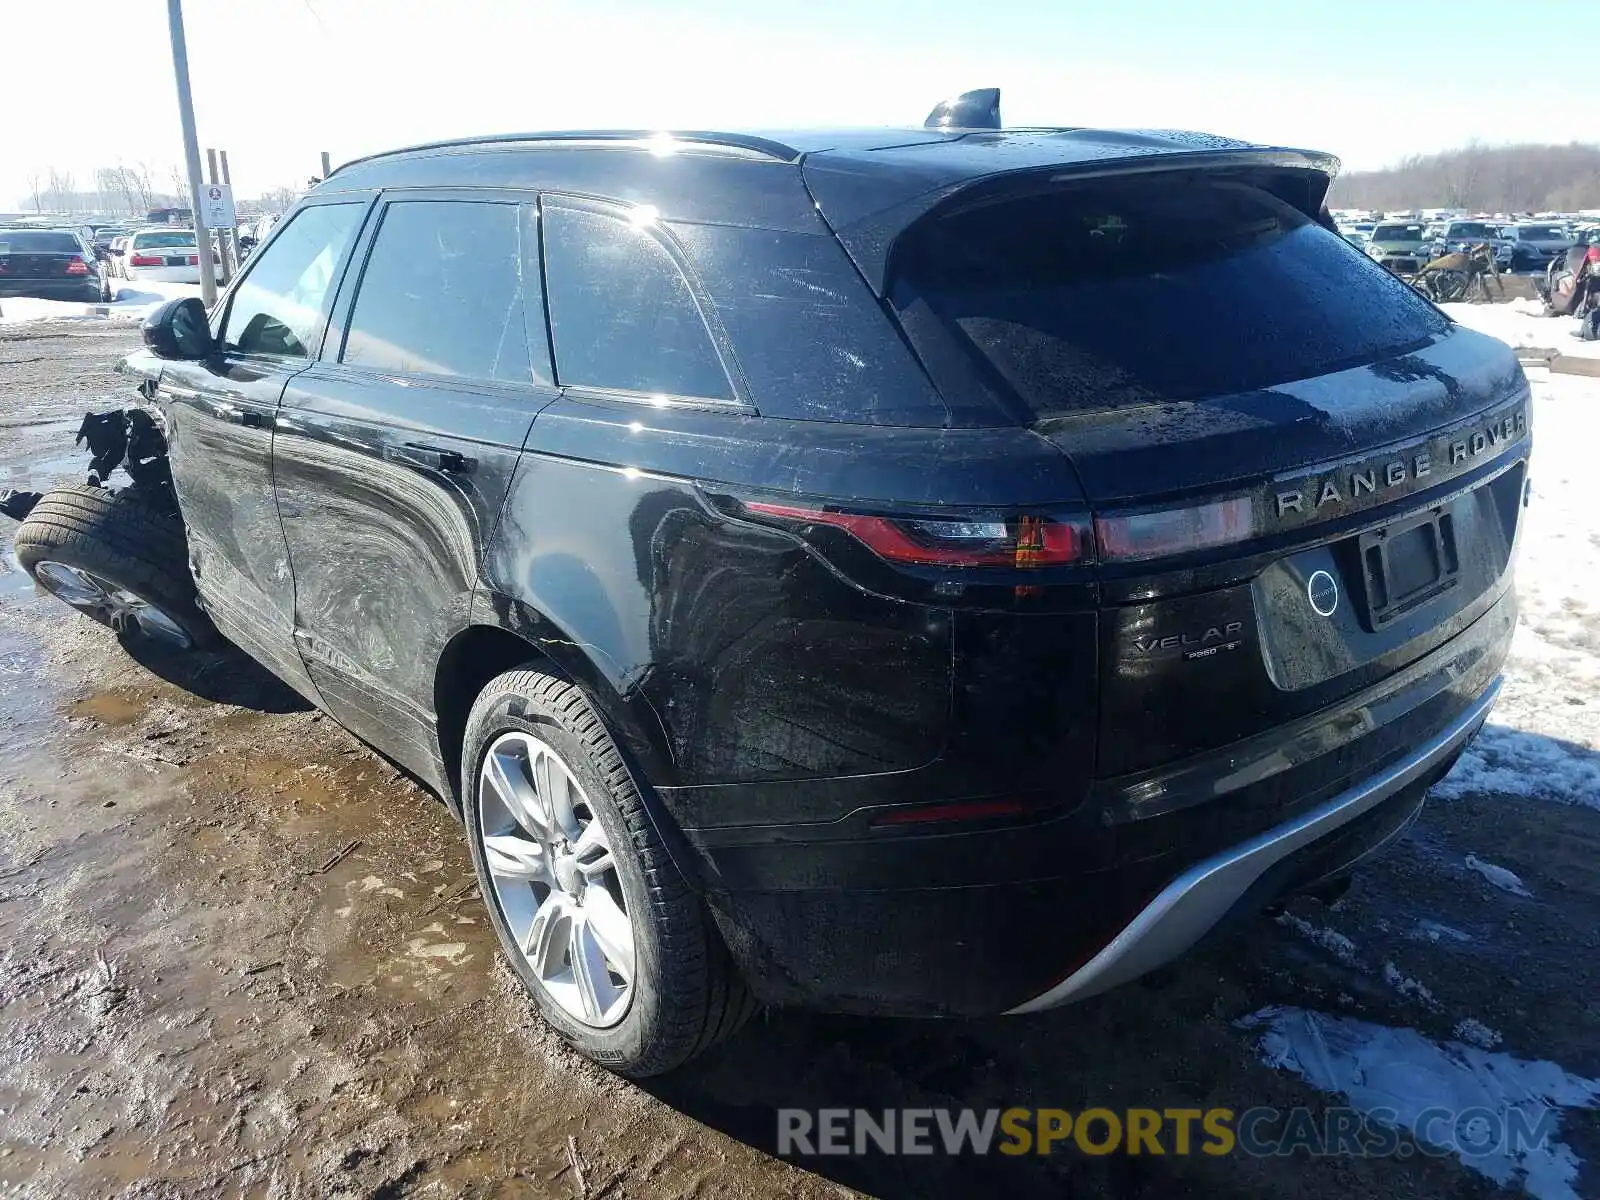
{"type": "Point", "coordinates": [979, 109]}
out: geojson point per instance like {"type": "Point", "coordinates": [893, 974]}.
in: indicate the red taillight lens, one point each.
{"type": "Point", "coordinates": [77, 267]}
{"type": "Point", "coordinates": [940, 542]}
{"type": "Point", "coordinates": [194, 260]}
{"type": "Point", "coordinates": [1594, 254]}
{"type": "Point", "coordinates": [1131, 537]}
{"type": "Point", "coordinates": [144, 260]}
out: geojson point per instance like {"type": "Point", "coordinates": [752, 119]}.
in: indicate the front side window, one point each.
{"type": "Point", "coordinates": [281, 304]}
{"type": "Point", "coordinates": [443, 293]}
{"type": "Point", "coordinates": [622, 315]}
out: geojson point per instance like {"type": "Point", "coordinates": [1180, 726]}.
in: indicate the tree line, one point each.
{"type": "Point", "coordinates": [130, 191]}
{"type": "Point", "coordinates": [1508, 179]}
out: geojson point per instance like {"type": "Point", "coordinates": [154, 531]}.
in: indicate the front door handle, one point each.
{"type": "Point", "coordinates": [435, 458]}
{"type": "Point", "coordinates": [234, 415]}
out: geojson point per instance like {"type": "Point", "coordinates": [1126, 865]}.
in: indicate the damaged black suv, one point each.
{"type": "Point", "coordinates": [932, 571]}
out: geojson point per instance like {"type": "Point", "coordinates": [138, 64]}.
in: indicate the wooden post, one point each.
{"type": "Point", "coordinates": [230, 247]}
{"type": "Point", "coordinates": [211, 177]}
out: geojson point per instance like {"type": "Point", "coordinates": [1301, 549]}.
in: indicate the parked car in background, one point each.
{"type": "Point", "coordinates": [49, 264]}
{"type": "Point", "coordinates": [1355, 237]}
{"type": "Point", "coordinates": [162, 254]}
{"type": "Point", "coordinates": [1400, 245]}
{"type": "Point", "coordinates": [1534, 245]}
{"type": "Point", "coordinates": [1463, 235]}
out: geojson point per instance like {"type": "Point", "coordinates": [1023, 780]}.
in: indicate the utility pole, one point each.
{"type": "Point", "coordinates": [191, 150]}
{"type": "Point", "coordinates": [327, 165]}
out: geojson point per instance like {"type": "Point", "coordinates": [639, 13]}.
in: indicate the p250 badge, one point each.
{"type": "Point", "coordinates": [1192, 643]}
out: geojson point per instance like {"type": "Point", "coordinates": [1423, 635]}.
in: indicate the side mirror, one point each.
{"type": "Point", "coordinates": [178, 330]}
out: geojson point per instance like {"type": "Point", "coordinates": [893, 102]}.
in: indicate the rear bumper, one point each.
{"type": "Point", "coordinates": [80, 287]}
{"type": "Point", "coordinates": [163, 274]}
{"type": "Point", "coordinates": [1191, 905]}
{"type": "Point", "coordinates": [1019, 917]}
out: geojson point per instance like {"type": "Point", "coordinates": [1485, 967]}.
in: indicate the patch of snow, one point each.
{"type": "Point", "coordinates": [134, 301]}
{"type": "Point", "coordinates": [1330, 940]}
{"type": "Point", "coordinates": [1475, 1033]}
{"type": "Point", "coordinates": [1399, 1078]}
{"type": "Point", "coordinates": [1521, 325]}
{"type": "Point", "coordinates": [1524, 764]}
{"type": "Point", "coordinates": [1407, 986]}
{"type": "Point", "coordinates": [1506, 881]}
{"type": "Point", "coordinates": [1436, 931]}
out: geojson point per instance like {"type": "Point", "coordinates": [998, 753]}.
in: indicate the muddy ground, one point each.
{"type": "Point", "coordinates": [200, 997]}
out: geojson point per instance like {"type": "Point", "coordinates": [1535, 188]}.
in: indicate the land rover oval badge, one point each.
{"type": "Point", "coordinates": [1323, 593]}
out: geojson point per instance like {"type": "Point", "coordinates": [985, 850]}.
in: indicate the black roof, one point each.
{"type": "Point", "coordinates": [868, 184]}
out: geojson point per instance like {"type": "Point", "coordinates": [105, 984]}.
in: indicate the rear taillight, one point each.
{"type": "Point", "coordinates": [77, 267]}
{"type": "Point", "coordinates": [144, 260]}
{"type": "Point", "coordinates": [194, 260]}
{"type": "Point", "coordinates": [1133, 537]}
{"type": "Point", "coordinates": [1023, 541]}
{"type": "Point", "coordinates": [1594, 254]}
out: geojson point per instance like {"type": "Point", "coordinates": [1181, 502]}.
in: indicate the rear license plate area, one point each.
{"type": "Point", "coordinates": [1408, 563]}
{"type": "Point", "coordinates": [175, 261]}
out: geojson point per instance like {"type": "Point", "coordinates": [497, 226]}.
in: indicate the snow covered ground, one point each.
{"type": "Point", "coordinates": [1518, 324]}
{"type": "Point", "coordinates": [132, 301]}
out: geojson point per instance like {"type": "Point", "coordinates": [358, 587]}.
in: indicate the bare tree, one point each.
{"type": "Point", "coordinates": [33, 190]}
{"type": "Point", "coordinates": [1509, 179]}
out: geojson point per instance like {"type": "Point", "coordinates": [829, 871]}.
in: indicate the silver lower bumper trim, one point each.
{"type": "Point", "coordinates": [1188, 907]}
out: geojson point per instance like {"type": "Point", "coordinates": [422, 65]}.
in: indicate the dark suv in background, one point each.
{"type": "Point", "coordinates": [907, 571]}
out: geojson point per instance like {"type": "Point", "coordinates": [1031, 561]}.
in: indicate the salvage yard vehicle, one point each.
{"type": "Point", "coordinates": [49, 264]}
{"type": "Point", "coordinates": [810, 573]}
{"type": "Point", "coordinates": [162, 254]}
{"type": "Point", "coordinates": [1400, 246]}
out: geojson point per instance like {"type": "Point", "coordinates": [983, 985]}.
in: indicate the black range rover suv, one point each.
{"type": "Point", "coordinates": [906, 571]}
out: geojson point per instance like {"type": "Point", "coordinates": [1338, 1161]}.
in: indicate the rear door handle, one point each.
{"type": "Point", "coordinates": [435, 458]}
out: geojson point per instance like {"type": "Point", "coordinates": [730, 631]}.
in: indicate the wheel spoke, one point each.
{"type": "Point", "coordinates": [506, 778]}
{"type": "Point", "coordinates": [513, 857]}
{"type": "Point", "coordinates": [611, 929]}
{"type": "Point", "coordinates": [592, 852]}
{"type": "Point", "coordinates": [547, 936]}
{"type": "Point", "coordinates": [595, 988]}
{"type": "Point", "coordinates": [556, 790]}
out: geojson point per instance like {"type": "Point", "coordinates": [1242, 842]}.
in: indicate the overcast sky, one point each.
{"type": "Point", "coordinates": [89, 82]}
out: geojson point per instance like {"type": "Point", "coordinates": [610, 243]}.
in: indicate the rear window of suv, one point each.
{"type": "Point", "coordinates": [1137, 292]}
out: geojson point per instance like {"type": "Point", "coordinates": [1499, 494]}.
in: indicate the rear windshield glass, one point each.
{"type": "Point", "coordinates": [1128, 293]}
{"type": "Point", "coordinates": [154, 241]}
{"type": "Point", "coordinates": [37, 241]}
{"type": "Point", "coordinates": [1541, 233]}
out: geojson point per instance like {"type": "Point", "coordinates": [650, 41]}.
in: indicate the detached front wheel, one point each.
{"type": "Point", "coordinates": [119, 560]}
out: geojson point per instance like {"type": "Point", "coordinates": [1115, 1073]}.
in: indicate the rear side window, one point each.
{"type": "Point", "coordinates": [1138, 292]}
{"type": "Point", "coordinates": [280, 307]}
{"type": "Point", "coordinates": [443, 293]}
{"type": "Point", "coordinates": [622, 316]}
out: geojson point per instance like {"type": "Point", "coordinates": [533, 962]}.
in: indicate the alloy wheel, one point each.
{"type": "Point", "coordinates": [555, 879]}
{"type": "Point", "coordinates": [122, 609]}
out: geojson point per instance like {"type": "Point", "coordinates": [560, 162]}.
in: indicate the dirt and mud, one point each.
{"type": "Point", "coordinates": [241, 955]}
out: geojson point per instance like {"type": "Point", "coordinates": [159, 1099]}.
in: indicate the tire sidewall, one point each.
{"type": "Point", "coordinates": [628, 1042]}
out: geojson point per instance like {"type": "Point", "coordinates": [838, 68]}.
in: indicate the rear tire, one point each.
{"type": "Point", "coordinates": [674, 992]}
{"type": "Point", "coordinates": [120, 560]}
